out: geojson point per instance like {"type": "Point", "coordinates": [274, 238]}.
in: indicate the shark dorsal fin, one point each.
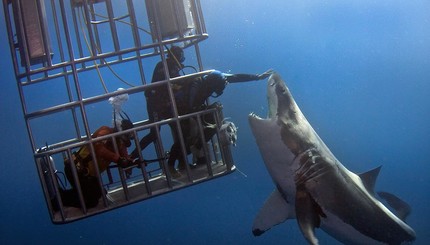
{"type": "Point", "coordinates": [369, 179]}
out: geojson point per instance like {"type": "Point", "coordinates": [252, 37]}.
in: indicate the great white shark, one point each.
{"type": "Point", "coordinates": [313, 187]}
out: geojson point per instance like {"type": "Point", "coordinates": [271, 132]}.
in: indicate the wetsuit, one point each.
{"type": "Point", "coordinates": [194, 99]}
{"type": "Point", "coordinates": [158, 102]}
{"type": "Point", "coordinates": [87, 175]}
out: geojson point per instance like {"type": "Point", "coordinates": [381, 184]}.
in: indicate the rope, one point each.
{"type": "Point", "coordinates": [121, 21]}
{"type": "Point", "coordinates": [142, 29]}
{"type": "Point", "coordinates": [107, 63]}
{"type": "Point", "coordinates": [146, 162]}
{"type": "Point", "coordinates": [89, 49]}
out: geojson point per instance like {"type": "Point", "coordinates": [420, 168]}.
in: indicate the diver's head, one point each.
{"type": "Point", "coordinates": [126, 124]}
{"type": "Point", "coordinates": [177, 53]}
{"type": "Point", "coordinates": [126, 138]}
{"type": "Point", "coordinates": [216, 82]}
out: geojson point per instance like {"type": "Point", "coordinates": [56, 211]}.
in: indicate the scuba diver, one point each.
{"type": "Point", "coordinates": [87, 174]}
{"type": "Point", "coordinates": [157, 99]}
{"type": "Point", "coordinates": [189, 97]}
{"type": "Point", "coordinates": [192, 97]}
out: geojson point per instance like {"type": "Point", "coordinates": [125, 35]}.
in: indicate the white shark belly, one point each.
{"type": "Point", "coordinates": [278, 165]}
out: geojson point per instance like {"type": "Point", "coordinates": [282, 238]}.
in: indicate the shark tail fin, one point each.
{"type": "Point", "coordinates": [402, 208]}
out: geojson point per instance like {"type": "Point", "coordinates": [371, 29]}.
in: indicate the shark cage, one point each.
{"type": "Point", "coordinates": [73, 59]}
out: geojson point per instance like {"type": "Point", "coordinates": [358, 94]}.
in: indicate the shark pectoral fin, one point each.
{"type": "Point", "coordinates": [274, 211]}
{"type": "Point", "coordinates": [402, 208]}
{"type": "Point", "coordinates": [307, 215]}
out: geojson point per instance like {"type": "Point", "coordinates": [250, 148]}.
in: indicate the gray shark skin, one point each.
{"type": "Point", "coordinates": [313, 187]}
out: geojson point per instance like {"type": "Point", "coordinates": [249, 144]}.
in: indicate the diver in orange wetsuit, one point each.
{"type": "Point", "coordinates": [87, 174]}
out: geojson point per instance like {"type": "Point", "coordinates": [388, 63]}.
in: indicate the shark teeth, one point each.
{"type": "Point", "coordinates": [252, 114]}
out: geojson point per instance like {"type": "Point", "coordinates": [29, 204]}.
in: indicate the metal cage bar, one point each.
{"type": "Point", "coordinates": [66, 29]}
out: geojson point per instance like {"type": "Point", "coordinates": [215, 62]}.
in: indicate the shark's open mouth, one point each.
{"type": "Point", "coordinates": [254, 120]}
{"type": "Point", "coordinates": [272, 100]}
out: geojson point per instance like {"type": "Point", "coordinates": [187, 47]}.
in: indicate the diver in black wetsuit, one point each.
{"type": "Point", "coordinates": [192, 97]}
{"type": "Point", "coordinates": [157, 99]}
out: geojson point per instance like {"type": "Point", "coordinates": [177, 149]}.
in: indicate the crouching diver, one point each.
{"type": "Point", "coordinates": [85, 167]}
{"type": "Point", "coordinates": [192, 97]}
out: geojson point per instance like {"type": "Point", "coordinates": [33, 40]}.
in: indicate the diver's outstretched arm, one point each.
{"type": "Point", "coordinates": [238, 78]}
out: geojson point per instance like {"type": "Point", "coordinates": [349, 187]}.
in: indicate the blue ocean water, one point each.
{"type": "Point", "coordinates": [360, 72]}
